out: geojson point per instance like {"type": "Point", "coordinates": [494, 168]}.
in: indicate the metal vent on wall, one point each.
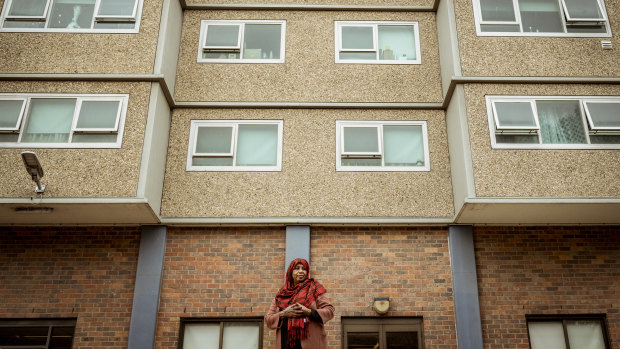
{"type": "Point", "coordinates": [606, 44]}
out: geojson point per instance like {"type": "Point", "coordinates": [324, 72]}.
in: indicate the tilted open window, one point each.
{"type": "Point", "coordinates": [62, 121]}
{"type": "Point", "coordinates": [100, 16]}
{"type": "Point", "coordinates": [554, 122]}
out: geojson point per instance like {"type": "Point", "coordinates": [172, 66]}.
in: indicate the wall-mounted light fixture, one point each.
{"type": "Point", "coordinates": [34, 168]}
{"type": "Point", "coordinates": [381, 305]}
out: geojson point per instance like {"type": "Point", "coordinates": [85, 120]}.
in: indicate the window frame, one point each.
{"type": "Point", "coordinates": [341, 124]}
{"type": "Point", "coordinates": [50, 323]}
{"type": "Point", "coordinates": [338, 25]}
{"type": "Point", "coordinates": [382, 325]}
{"type": "Point", "coordinates": [97, 18]}
{"type": "Point", "coordinates": [123, 100]}
{"type": "Point", "coordinates": [566, 22]}
{"type": "Point", "coordinates": [206, 320]}
{"type": "Point", "coordinates": [563, 318]}
{"type": "Point", "coordinates": [191, 153]}
{"type": "Point", "coordinates": [241, 23]}
{"type": "Point", "coordinates": [582, 100]}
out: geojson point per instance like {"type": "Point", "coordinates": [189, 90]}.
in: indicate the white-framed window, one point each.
{"type": "Point", "coordinates": [382, 146]}
{"type": "Point", "coordinates": [567, 331]}
{"type": "Point", "coordinates": [554, 122]}
{"type": "Point", "coordinates": [62, 121]}
{"type": "Point", "coordinates": [541, 18]}
{"type": "Point", "coordinates": [228, 333]}
{"type": "Point", "coordinates": [235, 145]}
{"type": "Point", "coordinates": [247, 41]}
{"type": "Point", "coordinates": [366, 42]}
{"type": "Point", "coordinates": [75, 16]}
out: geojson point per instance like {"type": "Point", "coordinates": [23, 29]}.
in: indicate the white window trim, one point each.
{"type": "Point", "coordinates": [241, 23]}
{"type": "Point", "coordinates": [375, 26]}
{"type": "Point", "coordinates": [492, 119]}
{"type": "Point", "coordinates": [340, 124]}
{"type": "Point", "coordinates": [563, 10]}
{"type": "Point", "coordinates": [195, 124]}
{"type": "Point", "coordinates": [134, 18]}
{"type": "Point", "coordinates": [118, 129]}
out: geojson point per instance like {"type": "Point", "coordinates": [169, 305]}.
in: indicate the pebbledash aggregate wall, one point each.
{"type": "Point", "coordinates": [545, 271]}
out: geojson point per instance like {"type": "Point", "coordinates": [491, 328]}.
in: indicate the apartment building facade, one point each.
{"type": "Point", "coordinates": [458, 157]}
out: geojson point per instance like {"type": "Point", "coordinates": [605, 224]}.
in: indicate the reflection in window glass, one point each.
{"type": "Point", "coordinates": [72, 14]}
{"type": "Point", "coordinates": [604, 114]}
{"type": "Point", "coordinates": [240, 335]}
{"type": "Point", "coordinates": [541, 16]}
{"type": "Point", "coordinates": [583, 9]}
{"type": "Point", "coordinates": [546, 335]}
{"type": "Point", "coordinates": [257, 145]}
{"type": "Point", "coordinates": [359, 340]}
{"type": "Point", "coordinates": [403, 145]}
{"type": "Point", "coordinates": [357, 38]}
{"type": "Point", "coordinates": [361, 139]}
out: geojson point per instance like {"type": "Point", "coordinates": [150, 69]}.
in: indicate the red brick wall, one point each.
{"type": "Point", "coordinates": [86, 273]}
{"type": "Point", "coordinates": [545, 270]}
{"type": "Point", "coordinates": [228, 272]}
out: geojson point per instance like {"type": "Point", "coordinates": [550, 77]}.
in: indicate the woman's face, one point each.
{"type": "Point", "coordinates": [299, 274]}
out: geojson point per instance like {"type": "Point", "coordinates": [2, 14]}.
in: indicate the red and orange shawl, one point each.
{"type": "Point", "coordinates": [303, 293]}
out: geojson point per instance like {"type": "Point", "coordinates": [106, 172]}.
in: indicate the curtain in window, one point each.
{"type": "Point", "coordinates": [546, 335]}
{"type": "Point", "coordinates": [237, 336]}
{"type": "Point", "coordinates": [49, 120]}
{"type": "Point", "coordinates": [257, 145]}
{"type": "Point", "coordinates": [403, 146]}
{"type": "Point", "coordinates": [561, 122]}
{"type": "Point", "coordinates": [585, 334]}
{"type": "Point", "coordinates": [201, 336]}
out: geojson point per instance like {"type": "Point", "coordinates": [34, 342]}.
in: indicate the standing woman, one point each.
{"type": "Point", "coordinates": [299, 310]}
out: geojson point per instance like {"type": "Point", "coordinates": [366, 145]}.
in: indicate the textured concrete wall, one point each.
{"type": "Point", "coordinates": [81, 172]}
{"type": "Point", "coordinates": [308, 184]}
{"type": "Point", "coordinates": [85, 273]}
{"type": "Point", "coordinates": [83, 53]}
{"type": "Point", "coordinates": [545, 271]}
{"type": "Point", "coordinates": [538, 172]}
{"type": "Point", "coordinates": [535, 56]}
{"type": "Point", "coordinates": [309, 73]}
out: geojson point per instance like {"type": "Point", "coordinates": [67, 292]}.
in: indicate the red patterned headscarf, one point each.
{"type": "Point", "coordinates": [303, 293]}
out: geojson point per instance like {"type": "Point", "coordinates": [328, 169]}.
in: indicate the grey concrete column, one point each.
{"type": "Point", "coordinates": [297, 243]}
{"type": "Point", "coordinates": [147, 288]}
{"type": "Point", "coordinates": [465, 286]}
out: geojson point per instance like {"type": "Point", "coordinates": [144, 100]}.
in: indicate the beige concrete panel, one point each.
{"type": "Point", "coordinates": [90, 173]}
{"type": "Point", "coordinates": [318, 2]}
{"type": "Point", "coordinates": [309, 73]}
{"type": "Point", "coordinates": [84, 53]}
{"type": "Point", "coordinates": [536, 56]}
{"type": "Point", "coordinates": [308, 185]}
{"type": "Point", "coordinates": [538, 173]}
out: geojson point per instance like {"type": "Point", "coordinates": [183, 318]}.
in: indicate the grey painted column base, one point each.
{"type": "Point", "coordinates": [297, 243]}
{"type": "Point", "coordinates": [465, 286]}
{"type": "Point", "coordinates": [147, 288]}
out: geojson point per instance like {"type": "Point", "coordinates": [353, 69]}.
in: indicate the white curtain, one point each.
{"type": "Point", "coordinates": [546, 335]}
{"type": "Point", "coordinates": [49, 120]}
{"type": "Point", "coordinates": [585, 335]}
{"type": "Point", "coordinates": [561, 122]}
{"type": "Point", "coordinates": [403, 146]}
{"type": "Point", "coordinates": [240, 336]}
{"type": "Point", "coordinates": [201, 336]}
{"type": "Point", "coordinates": [257, 145]}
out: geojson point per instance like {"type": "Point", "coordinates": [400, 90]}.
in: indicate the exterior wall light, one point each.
{"type": "Point", "coordinates": [34, 168]}
{"type": "Point", "coordinates": [381, 305]}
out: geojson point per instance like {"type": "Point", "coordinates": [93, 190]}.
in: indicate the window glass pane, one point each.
{"type": "Point", "coordinates": [212, 161]}
{"type": "Point", "coordinates": [497, 10]}
{"type": "Point", "coordinates": [396, 42]}
{"type": "Point", "coordinates": [222, 35]}
{"type": "Point", "coordinates": [28, 8]}
{"type": "Point", "coordinates": [23, 335]}
{"type": "Point", "coordinates": [583, 9]}
{"type": "Point", "coordinates": [499, 28]}
{"type": "Point", "coordinates": [240, 336]}
{"type": "Point", "coordinates": [403, 146]}
{"type": "Point", "coordinates": [49, 120]}
{"type": "Point", "coordinates": [604, 114]}
{"type": "Point", "coordinates": [262, 41]}
{"type": "Point", "coordinates": [584, 334]}
{"type": "Point", "coordinates": [515, 114]}
{"type": "Point", "coordinates": [546, 335]}
{"type": "Point", "coordinates": [94, 138]}
{"type": "Point", "coordinates": [358, 55]}
{"type": "Point", "coordinates": [72, 14]}
{"type": "Point", "coordinates": [62, 338]}
{"type": "Point", "coordinates": [98, 114]}
{"type": "Point", "coordinates": [361, 139]}
{"type": "Point", "coordinates": [401, 340]}
{"type": "Point", "coordinates": [541, 16]}
{"type": "Point", "coordinates": [561, 122]}
{"type": "Point", "coordinates": [24, 24]}
{"type": "Point", "coordinates": [112, 25]}
{"type": "Point", "coordinates": [361, 162]}
{"type": "Point", "coordinates": [257, 145]}
{"type": "Point", "coordinates": [604, 139]}
{"type": "Point", "coordinates": [201, 336]}
{"type": "Point", "coordinates": [9, 113]}
{"type": "Point", "coordinates": [214, 139]}
{"type": "Point", "coordinates": [581, 28]}
{"type": "Point", "coordinates": [357, 38]}
{"type": "Point", "coordinates": [360, 340]}
{"type": "Point", "coordinates": [518, 139]}
{"type": "Point", "coordinates": [116, 7]}
{"type": "Point", "coordinates": [8, 137]}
